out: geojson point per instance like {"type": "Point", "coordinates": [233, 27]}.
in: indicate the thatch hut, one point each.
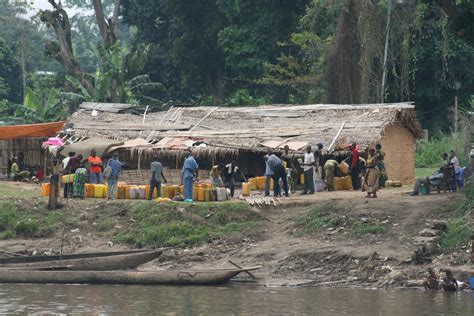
{"type": "Point", "coordinates": [244, 133]}
{"type": "Point", "coordinates": [27, 139]}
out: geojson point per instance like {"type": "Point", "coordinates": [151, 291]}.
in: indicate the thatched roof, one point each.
{"type": "Point", "coordinates": [251, 128]}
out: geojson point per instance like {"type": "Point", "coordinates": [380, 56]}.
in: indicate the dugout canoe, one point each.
{"type": "Point", "coordinates": [100, 261]}
{"type": "Point", "coordinates": [166, 277]}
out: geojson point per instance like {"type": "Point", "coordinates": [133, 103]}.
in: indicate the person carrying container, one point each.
{"type": "Point", "coordinates": [156, 178]}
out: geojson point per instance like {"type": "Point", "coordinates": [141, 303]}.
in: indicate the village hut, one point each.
{"type": "Point", "coordinates": [221, 134]}
{"type": "Point", "coordinates": [26, 139]}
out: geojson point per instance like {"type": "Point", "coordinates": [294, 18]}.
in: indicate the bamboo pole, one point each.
{"type": "Point", "coordinates": [206, 116]}
{"type": "Point", "coordinates": [337, 135]}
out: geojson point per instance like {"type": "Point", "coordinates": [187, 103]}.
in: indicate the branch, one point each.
{"type": "Point", "coordinates": [107, 27]}
{"type": "Point", "coordinates": [99, 14]}
{"type": "Point", "coordinates": [62, 49]}
{"type": "Point", "coordinates": [116, 12]}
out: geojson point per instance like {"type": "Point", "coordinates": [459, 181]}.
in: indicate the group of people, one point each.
{"type": "Point", "coordinates": [448, 283]}
{"type": "Point", "coordinates": [20, 172]}
{"type": "Point", "coordinates": [91, 170]}
{"type": "Point", "coordinates": [436, 179]}
{"type": "Point", "coordinates": [318, 165]}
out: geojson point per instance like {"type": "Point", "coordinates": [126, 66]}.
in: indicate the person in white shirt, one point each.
{"type": "Point", "coordinates": [229, 171]}
{"type": "Point", "coordinates": [308, 168]}
{"type": "Point", "coordinates": [454, 161]}
{"type": "Point", "coordinates": [64, 171]}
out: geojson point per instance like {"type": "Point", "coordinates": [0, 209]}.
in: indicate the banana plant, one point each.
{"type": "Point", "coordinates": [118, 78]}
{"type": "Point", "coordinates": [52, 107]}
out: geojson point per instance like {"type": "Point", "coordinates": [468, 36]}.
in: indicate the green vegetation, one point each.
{"type": "Point", "coordinates": [180, 225]}
{"type": "Point", "coordinates": [424, 172]}
{"type": "Point", "coordinates": [331, 215]}
{"type": "Point", "coordinates": [14, 192]}
{"type": "Point", "coordinates": [360, 228]}
{"type": "Point", "coordinates": [136, 223]}
{"type": "Point", "coordinates": [460, 226]}
{"type": "Point", "coordinates": [26, 220]}
{"type": "Point", "coordinates": [428, 154]}
{"type": "Point", "coordinates": [223, 52]}
{"type": "Point", "coordinates": [318, 218]}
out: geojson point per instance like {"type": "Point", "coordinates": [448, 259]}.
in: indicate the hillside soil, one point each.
{"type": "Point", "coordinates": [356, 242]}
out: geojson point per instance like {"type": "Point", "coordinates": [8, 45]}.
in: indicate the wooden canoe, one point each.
{"type": "Point", "coordinates": [190, 277]}
{"type": "Point", "coordinates": [102, 261]}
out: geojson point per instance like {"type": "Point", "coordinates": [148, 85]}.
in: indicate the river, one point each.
{"type": "Point", "coordinates": [226, 300]}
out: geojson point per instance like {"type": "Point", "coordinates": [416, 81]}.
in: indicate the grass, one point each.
{"type": "Point", "coordinates": [21, 220]}
{"type": "Point", "coordinates": [138, 223]}
{"type": "Point", "coordinates": [319, 217]}
{"type": "Point", "coordinates": [182, 224]}
{"type": "Point", "coordinates": [424, 172]}
{"type": "Point", "coordinates": [330, 215]}
{"type": "Point", "coordinates": [360, 228]}
{"type": "Point", "coordinates": [13, 191]}
{"type": "Point", "coordinates": [460, 227]}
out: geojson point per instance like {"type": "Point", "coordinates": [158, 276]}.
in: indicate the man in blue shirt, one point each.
{"type": "Point", "coordinates": [112, 178]}
{"type": "Point", "coordinates": [275, 166]}
{"type": "Point", "coordinates": [268, 173]}
{"type": "Point", "coordinates": [189, 172]}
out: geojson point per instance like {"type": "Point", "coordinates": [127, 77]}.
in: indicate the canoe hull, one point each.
{"type": "Point", "coordinates": [102, 262]}
{"type": "Point", "coordinates": [209, 277]}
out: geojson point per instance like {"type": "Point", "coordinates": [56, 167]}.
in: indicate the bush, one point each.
{"type": "Point", "coordinates": [459, 227]}
{"type": "Point", "coordinates": [428, 154]}
{"type": "Point", "coordinates": [458, 232]}
{"type": "Point", "coordinates": [182, 224]}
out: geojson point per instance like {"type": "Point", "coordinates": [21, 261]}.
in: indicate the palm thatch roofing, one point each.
{"type": "Point", "coordinates": [249, 128]}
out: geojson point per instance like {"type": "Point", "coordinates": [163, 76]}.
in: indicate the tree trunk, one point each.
{"type": "Point", "coordinates": [62, 49]}
{"type": "Point", "coordinates": [107, 27]}
{"type": "Point", "coordinates": [217, 85]}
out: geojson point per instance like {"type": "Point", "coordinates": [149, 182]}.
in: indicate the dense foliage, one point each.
{"type": "Point", "coordinates": [238, 52]}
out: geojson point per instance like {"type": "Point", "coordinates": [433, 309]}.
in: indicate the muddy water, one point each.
{"type": "Point", "coordinates": [227, 300]}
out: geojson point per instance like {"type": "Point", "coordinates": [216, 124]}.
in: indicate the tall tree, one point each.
{"type": "Point", "coordinates": [62, 49]}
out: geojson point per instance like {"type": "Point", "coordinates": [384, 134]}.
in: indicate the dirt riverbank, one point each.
{"type": "Point", "coordinates": [331, 239]}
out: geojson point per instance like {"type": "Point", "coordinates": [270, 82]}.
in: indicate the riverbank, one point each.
{"type": "Point", "coordinates": [331, 239]}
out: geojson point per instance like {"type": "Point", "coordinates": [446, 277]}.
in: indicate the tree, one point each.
{"type": "Point", "coordinates": [62, 49]}
{"type": "Point", "coordinates": [213, 47]}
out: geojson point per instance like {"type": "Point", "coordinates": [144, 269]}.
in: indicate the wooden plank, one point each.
{"type": "Point", "coordinates": [105, 107]}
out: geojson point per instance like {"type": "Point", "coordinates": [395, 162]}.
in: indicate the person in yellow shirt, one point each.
{"type": "Point", "coordinates": [17, 173]}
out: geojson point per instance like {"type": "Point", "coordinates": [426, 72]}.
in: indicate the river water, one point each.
{"type": "Point", "coordinates": [226, 300]}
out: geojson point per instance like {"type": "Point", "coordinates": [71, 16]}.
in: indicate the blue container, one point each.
{"type": "Point", "coordinates": [471, 281]}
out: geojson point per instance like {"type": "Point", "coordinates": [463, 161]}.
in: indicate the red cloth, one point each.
{"type": "Point", "coordinates": [40, 175]}
{"type": "Point", "coordinates": [355, 156]}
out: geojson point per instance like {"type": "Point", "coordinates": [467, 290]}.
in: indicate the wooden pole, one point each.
{"type": "Point", "coordinates": [337, 136]}
{"type": "Point", "coordinates": [248, 272]}
{"type": "Point", "coordinates": [53, 192]}
{"type": "Point", "coordinates": [215, 109]}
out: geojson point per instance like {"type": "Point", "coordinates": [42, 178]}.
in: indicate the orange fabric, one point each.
{"type": "Point", "coordinates": [96, 160]}
{"type": "Point", "coordinates": [30, 130]}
